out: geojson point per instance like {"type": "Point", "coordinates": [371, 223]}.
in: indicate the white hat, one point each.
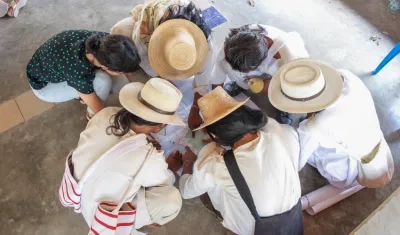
{"type": "Point", "coordinates": [178, 49]}
{"type": "Point", "coordinates": [156, 101]}
{"type": "Point", "coordinates": [216, 105]}
{"type": "Point", "coordinates": [305, 86]}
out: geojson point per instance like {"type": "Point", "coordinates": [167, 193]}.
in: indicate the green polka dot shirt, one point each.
{"type": "Point", "coordinates": [62, 58]}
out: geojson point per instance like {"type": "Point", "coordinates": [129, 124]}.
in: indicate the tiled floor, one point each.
{"type": "Point", "coordinates": [21, 109]}
{"type": "Point", "coordinates": [34, 142]}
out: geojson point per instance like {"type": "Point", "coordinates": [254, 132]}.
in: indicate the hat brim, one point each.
{"type": "Point", "coordinates": [219, 116]}
{"type": "Point", "coordinates": [156, 49]}
{"type": "Point", "coordinates": [332, 92]}
{"type": "Point", "coordinates": [128, 97]}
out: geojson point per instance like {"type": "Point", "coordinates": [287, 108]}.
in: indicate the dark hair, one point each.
{"type": "Point", "coordinates": [123, 120]}
{"type": "Point", "coordinates": [189, 12]}
{"type": "Point", "coordinates": [245, 48]}
{"type": "Point", "coordinates": [117, 52]}
{"type": "Point", "coordinates": [233, 127]}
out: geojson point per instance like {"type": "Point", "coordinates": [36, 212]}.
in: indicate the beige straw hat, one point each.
{"type": "Point", "coordinates": [216, 105]}
{"type": "Point", "coordinates": [178, 49]}
{"type": "Point", "coordinates": [305, 86]}
{"type": "Point", "coordinates": [156, 101]}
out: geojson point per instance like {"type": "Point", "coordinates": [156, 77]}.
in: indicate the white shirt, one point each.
{"type": "Point", "coordinates": [289, 45]}
{"type": "Point", "coordinates": [335, 139]}
{"type": "Point", "coordinates": [269, 165]}
{"type": "Point", "coordinates": [113, 183]}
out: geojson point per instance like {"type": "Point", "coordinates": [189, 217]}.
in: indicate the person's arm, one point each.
{"type": "Point", "coordinates": [155, 171]}
{"type": "Point", "coordinates": [92, 101]}
{"type": "Point", "coordinates": [194, 182]}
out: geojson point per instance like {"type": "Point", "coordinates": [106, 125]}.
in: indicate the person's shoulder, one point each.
{"type": "Point", "coordinates": [210, 155]}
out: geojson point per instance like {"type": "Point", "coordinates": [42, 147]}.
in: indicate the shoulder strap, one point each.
{"type": "Point", "coordinates": [240, 182]}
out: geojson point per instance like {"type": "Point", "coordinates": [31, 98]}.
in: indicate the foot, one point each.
{"type": "Point", "coordinates": [284, 118]}
{"type": "Point", "coordinates": [233, 89]}
{"type": "Point", "coordinates": [14, 6]}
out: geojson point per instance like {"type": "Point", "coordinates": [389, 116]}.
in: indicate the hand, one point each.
{"type": "Point", "coordinates": [188, 155]}
{"type": "Point", "coordinates": [155, 143]}
{"type": "Point", "coordinates": [194, 119]}
{"type": "Point", "coordinates": [174, 161]}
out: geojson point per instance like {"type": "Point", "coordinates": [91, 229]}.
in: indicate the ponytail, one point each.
{"type": "Point", "coordinates": [93, 44]}
{"type": "Point", "coordinates": [123, 121]}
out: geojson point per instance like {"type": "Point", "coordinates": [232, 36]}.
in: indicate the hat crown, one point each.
{"type": "Point", "coordinates": [302, 80]}
{"type": "Point", "coordinates": [161, 94]}
{"type": "Point", "coordinates": [180, 50]}
{"type": "Point", "coordinates": [215, 103]}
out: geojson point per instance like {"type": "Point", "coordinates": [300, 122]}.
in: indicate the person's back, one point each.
{"type": "Point", "coordinates": [267, 154]}
{"type": "Point", "coordinates": [351, 123]}
{"type": "Point", "coordinates": [269, 165]}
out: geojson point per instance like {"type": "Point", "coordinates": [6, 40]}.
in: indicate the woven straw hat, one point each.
{"type": "Point", "coordinates": [156, 101]}
{"type": "Point", "coordinates": [216, 105]}
{"type": "Point", "coordinates": [178, 49]}
{"type": "Point", "coordinates": [305, 86]}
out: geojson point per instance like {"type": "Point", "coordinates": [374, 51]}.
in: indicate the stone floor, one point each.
{"type": "Point", "coordinates": [32, 152]}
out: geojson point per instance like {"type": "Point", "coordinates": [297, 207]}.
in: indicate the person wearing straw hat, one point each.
{"type": "Point", "coordinates": [248, 58]}
{"type": "Point", "coordinates": [121, 161]}
{"type": "Point", "coordinates": [171, 36]}
{"type": "Point", "coordinates": [343, 147]}
{"type": "Point", "coordinates": [266, 153]}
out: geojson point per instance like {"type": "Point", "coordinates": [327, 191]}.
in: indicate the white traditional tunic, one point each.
{"type": "Point", "coordinates": [289, 45]}
{"type": "Point", "coordinates": [269, 165]}
{"type": "Point", "coordinates": [113, 183]}
{"type": "Point", "coordinates": [335, 139]}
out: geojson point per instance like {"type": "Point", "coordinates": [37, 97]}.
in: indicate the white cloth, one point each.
{"type": "Point", "coordinates": [269, 165]}
{"type": "Point", "coordinates": [112, 184]}
{"type": "Point", "coordinates": [335, 139]}
{"type": "Point", "coordinates": [291, 46]}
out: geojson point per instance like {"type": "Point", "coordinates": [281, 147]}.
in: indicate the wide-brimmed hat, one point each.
{"type": "Point", "coordinates": [305, 86]}
{"type": "Point", "coordinates": [156, 101]}
{"type": "Point", "coordinates": [178, 49]}
{"type": "Point", "coordinates": [216, 105]}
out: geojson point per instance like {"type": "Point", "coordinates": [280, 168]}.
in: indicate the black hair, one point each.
{"type": "Point", "coordinates": [123, 120]}
{"type": "Point", "coordinates": [117, 52]}
{"type": "Point", "coordinates": [237, 124]}
{"type": "Point", "coordinates": [245, 48]}
{"type": "Point", "coordinates": [189, 12]}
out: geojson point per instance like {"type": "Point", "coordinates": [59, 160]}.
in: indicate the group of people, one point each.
{"type": "Point", "coordinates": [118, 176]}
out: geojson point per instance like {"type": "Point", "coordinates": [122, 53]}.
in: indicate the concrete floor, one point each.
{"type": "Point", "coordinates": [32, 153]}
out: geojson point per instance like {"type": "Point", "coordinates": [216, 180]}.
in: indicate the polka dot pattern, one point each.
{"type": "Point", "coordinates": [63, 58]}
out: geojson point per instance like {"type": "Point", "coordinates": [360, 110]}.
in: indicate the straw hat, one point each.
{"type": "Point", "coordinates": [156, 101]}
{"type": "Point", "coordinates": [178, 49]}
{"type": "Point", "coordinates": [216, 105]}
{"type": "Point", "coordinates": [305, 86]}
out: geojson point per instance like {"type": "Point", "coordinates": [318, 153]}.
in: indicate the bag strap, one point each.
{"type": "Point", "coordinates": [240, 183]}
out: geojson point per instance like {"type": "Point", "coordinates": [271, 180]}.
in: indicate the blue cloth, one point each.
{"type": "Point", "coordinates": [213, 17]}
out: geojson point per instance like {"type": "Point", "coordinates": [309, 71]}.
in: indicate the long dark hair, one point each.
{"type": "Point", "coordinates": [123, 120]}
{"type": "Point", "coordinates": [117, 52]}
{"type": "Point", "coordinates": [189, 12]}
{"type": "Point", "coordinates": [236, 125]}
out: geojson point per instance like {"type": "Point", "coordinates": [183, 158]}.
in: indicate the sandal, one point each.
{"type": "Point", "coordinates": [14, 6]}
